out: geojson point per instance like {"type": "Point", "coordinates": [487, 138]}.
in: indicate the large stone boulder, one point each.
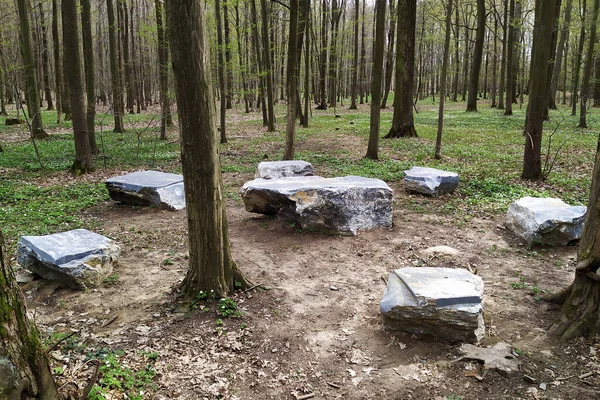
{"type": "Point", "coordinates": [282, 169]}
{"type": "Point", "coordinates": [430, 181]}
{"type": "Point", "coordinates": [148, 188]}
{"type": "Point", "coordinates": [77, 258]}
{"type": "Point", "coordinates": [346, 205]}
{"type": "Point", "coordinates": [545, 220]}
{"type": "Point", "coordinates": [442, 302]}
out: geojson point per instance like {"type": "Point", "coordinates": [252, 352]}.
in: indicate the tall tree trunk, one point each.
{"type": "Point", "coordinates": [467, 57]}
{"type": "Point", "coordinates": [292, 83]}
{"type": "Point", "coordinates": [553, 46]}
{"type": "Point", "coordinates": [221, 73]}
{"type": "Point", "coordinates": [494, 92]}
{"type": "Point", "coordinates": [379, 50]}
{"type": "Point", "coordinates": [45, 59]}
{"type": "Point", "coordinates": [323, 57]}
{"type": "Point", "coordinates": [303, 13]}
{"type": "Point", "coordinates": [90, 86]}
{"type": "Point", "coordinates": [228, 66]}
{"type": "Point", "coordinates": [456, 54]}
{"type": "Point", "coordinates": [477, 56]}
{"type": "Point", "coordinates": [268, 65]}
{"type": "Point", "coordinates": [510, 53]}
{"type": "Point", "coordinates": [504, 58]}
{"type": "Point", "coordinates": [163, 69]}
{"type": "Point", "coordinates": [73, 67]}
{"type": "Point", "coordinates": [114, 68]}
{"type": "Point", "coordinates": [355, 59]}
{"type": "Point", "coordinates": [363, 58]}
{"type": "Point", "coordinates": [403, 122]}
{"type": "Point", "coordinates": [124, 30]}
{"type": "Point", "coordinates": [240, 57]}
{"type": "Point", "coordinates": [538, 92]}
{"type": "Point", "coordinates": [440, 127]}
{"type": "Point", "coordinates": [259, 62]}
{"type": "Point", "coordinates": [33, 95]}
{"type": "Point", "coordinates": [389, 61]}
{"type": "Point", "coordinates": [211, 266]}
{"type": "Point", "coordinates": [333, 78]}
{"type": "Point", "coordinates": [57, 63]}
{"type": "Point", "coordinates": [564, 32]}
{"type": "Point", "coordinates": [596, 82]}
{"type": "Point", "coordinates": [24, 369]}
{"type": "Point", "coordinates": [307, 59]}
{"type": "Point", "coordinates": [587, 71]}
{"type": "Point", "coordinates": [578, 58]}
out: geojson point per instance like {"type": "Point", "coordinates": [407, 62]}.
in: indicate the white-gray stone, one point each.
{"type": "Point", "coordinates": [282, 169]}
{"type": "Point", "coordinates": [430, 181]}
{"type": "Point", "coordinates": [347, 204]}
{"type": "Point", "coordinates": [148, 188]}
{"type": "Point", "coordinates": [545, 220]}
{"type": "Point", "coordinates": [443, 302]}
{"type": "Point", "coordinates": [77, 258]}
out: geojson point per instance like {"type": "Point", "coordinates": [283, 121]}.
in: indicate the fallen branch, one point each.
{"type": "Point", "coordinates": [60, 341]}
{"type": "Point", "coordinates": [306, 396]}
{"type": "Point", "coordinates": [86, 392]}
{"type": "Point", "coordinates": [110, 321]}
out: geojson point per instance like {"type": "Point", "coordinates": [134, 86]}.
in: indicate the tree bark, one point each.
{"type": "Point", "coordinates": [228, 66]}
{"type": "Point", "coordinates": [163, 69]}
{"type": "Point", "coordinates": [379, 50]}
{"type": "Point", "coordinates": [440, 127]}
{"type": "Point", "coordinates": [122, 4]}
{"type": "Point", "coordinates": [323, 58]}
{"type": "Point", "coordinates": [211, 266]}
{"type": "Point", "coordinates": [456, 55]}
{"type": "Point", "coordinates": [73, 69]}
{"type": "Point", "coordinates": [596, 102]}
{"type": "Point", "coordinates": [268, 66]}
{"type": "Point", "coordinates": [389, 61]}
{"type": "Point", "coordinates": [564, 32]}
{"type": "Point", "coordinates": [538, 93]}
{"type": "Point", "coordinates": [57, 63]}
{"type": "Point", "coordinates": [577, 67]}
{"type": "Point", "coordinates": [363, 58]}
{"type": "Point", "coordinates": [33, 95]}
{"type": "Point", "coordinates": [292, 83]}
{"type": "Point", "coordinates": [307, 60]}
{"type": "Point", "coordinates": [355, 59]}
{"type": "Point", "coordinates": [587, 70]}
{"type": "Point", "coordinates": [117, 99]}
{"type": "Point", "coordinates": [503, 63]}
{"type": "Point", "coordinates": [45, 59]}
{"type": "Point", "coordinates": [333, 78]}
{"type": "Point", "coordinates": [221, 73]}
{"type": "Point", "coordinates": [24, 369]}
{"type": "Point", "coordinates": [90, 86]}
{"type": "Point", "coordinates": [510, 53]}
{"type": "Point", "coordinates": [403, 121]}
{"type": "Point", "coordinates": [259, 62]}
{"type": "Point", "coordinates": [494, 91]}
{"type": "Point", "coordinates": [477, 56]}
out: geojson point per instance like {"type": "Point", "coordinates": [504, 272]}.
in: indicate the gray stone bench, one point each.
{"type": "Point", "coordinates": [282, 169]}
{"type": "Point", "coordinates": [77, 258]}
{"type": "Point", "coordinates": [347, 204]}
{"type": "Point", "coordinates": [430, 181]}
{"type": "Point", "coordinates": [545, 220]}
{"type": "Point", "coordinates": [148, 188]}
{"type": "Point", "coordinates": [442, 302]}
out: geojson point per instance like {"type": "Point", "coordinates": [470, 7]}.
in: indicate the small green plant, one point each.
{"type": "Point", "coordinates": [517, 351]}
{"type": "Point", "coordinates": [219, 322]}
{"type": "Point", "coordinates": [58, 371]}
{"type": "Point", "coordinates": [167, 261]}
{"type": "Point", "coordinates": [228, 308]}
{"type": "Point", "coordinates": [454, 397]}
{"type": "Point", "coordinates": [111, 280]}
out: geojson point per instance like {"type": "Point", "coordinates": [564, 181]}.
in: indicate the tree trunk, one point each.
{"type": "Point", "coordinates": [503, 63]}
{"type": "Point", "coordinates": [210, 264]}
{"type": "Point", "coordinates": [581, 311]}
{"type": "Point", "coordinates": [564, 32]}
{"type": "Point", "coordinates": [122, 4]}
{"type": "Point", "coordinates": [228, 66]}
{"type": "Point", "coordinates": [242, 67]}
{"type": "Point", "coordinates": [596, 82]}
{"type": "Point", "coordinates": [456, 55]}
{"type": "Point", "coordinates": [538, 93]}
{"type": "Point", "coordinates": [510, 53]}
{"type": "Point", "coordinates": [355, 59]}
{"type": "Point", "coordinates": [440, 127]}
{"type": "Point", "coordinates": [307, 60]}
{"type": "Point", "coordinates": [403, 123]}
{"type": "Point", "coordinates": [90, 86]}
{"type": "Point", "coordinates": [494, 91]}
{"type": "Point", "coordinates": [221, 73]}
{"type": "Point", "coordinates": [163, 69]}
{"type": "Point", "coordinates": [24, 369]}
{"type": "Point", "coordinates": [389, 61]}
{"type": "Point", "coordinates": [268, 65]}
{"type": "Point", "coordinates": [33, 95]}
{"type": "Point", "coordinates": [333, 78]}
{"type": "Point", "coordinates": [259, 62]}
{"type": "Point", "coordinates": [579, 56]}
{"type": "Point", "coordinates": [57, 63]}
{"type": "Point", "coordinates": [45, 59]}
{"type": "Point", "coordinates": [477, 56]}
{"type": "Point", "coordinates": [379, 50]}
{"type": "Point", "coordinates": [292, 82]}
{"type": "Point", "coordinates": [323, 58]}
{"type": "Point", "coordinates": [73, 68]}
{"type": "Point", "coordinates": [363, 58]}
{"type": "Point", "coordinates": [114, 68]}
{"type": "Point", "coordinates": [587, 70]}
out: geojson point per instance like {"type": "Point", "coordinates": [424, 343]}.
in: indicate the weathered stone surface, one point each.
{"type": "Point", "coordinates": [282, 169]}
{"type": "Point", "coordinates": [545, 220]}
{"type": "Point", "coordinates": [345, 205]}
{"type": "Point", "coordinates": [430, 181]}
{"type": "Point", "coordinates": [498, 358]}
{"type": "Point", "coordinates": [148, 188]}
{"type": "Point", "coordinates": [77, 258]}
{"type": "Point", "coordinates": [441, 250]}
{"type": "Point", "coordinates": [442, 302]}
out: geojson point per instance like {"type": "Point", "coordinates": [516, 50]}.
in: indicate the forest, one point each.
{"type": "Point", "coordinates": [213, 302]}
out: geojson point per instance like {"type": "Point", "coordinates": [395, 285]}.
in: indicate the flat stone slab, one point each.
{"type": "Point", "coordinates": [77, 258]}
{"type": "Point", "coordinates": [430, 181]}
{"type": "Point", "coordinates": [344, 205]}
{"type": "Point", "coordinates": [545, 220]}
{"type": "Point", "coordinates": [148, 188]}
{"type": "Point", "coordinates": [282, 169]}
{"type": "Point", "coordinates": [442, 302]}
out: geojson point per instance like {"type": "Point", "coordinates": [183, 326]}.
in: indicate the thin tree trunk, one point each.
{"type": "Point", "coordinates": [240, 57]}
{"type": "Point", "coordinates": [477, 56]}
{"type": "Point", "coordinates": [587, 71]}
{"type": "Point", "coordinates": [259, 62]}
{"type": "Point", "coordinates": [596, 82]}
{"type": "Point", "coordinates": [45, 58]}
{"type": "Point", "coordinates": [564, 32]}
{"type": "Point", "coordinates": [268, 66]}
{"type": "Point", "coordinates": [379, 50]}
{"type": "Point", "coordinates": [114, 68]}
{"type": "Point", "coordinates": [323, 58]}
{"type": "Point", "coordinates": [363, 58]}
{"type": "Point", "coordinates": [579, 57]}
{"type": "Point", "coordinates": [292, 83]}
{"type": "Point", "coordinates": [440, 127]}
{"type": "Point", "coordinates": [90, 87]}
{"type": "Point", "coordinates": [504, 61]}
{"type": "Point", "coordinates": [163, 69]}
{"type": "Point", "coordinates": [494, 92]}
{"type": "Point", "coordinates": [33, 95]}
{"type": "Point", "coordinates": [221, 73]}
{"type": "Point", "coordinates": [355, 59]}
{"type": "Point", "coordinates": [389, 61]}
{"type": "Point", "coordinates": [307, 65]}
{"type": "Point", "coordinates": [57, 63]}
{"type": "Point", "coordinates": [510, 61]}
{"type": "Point", "coordinates": [228, 66]}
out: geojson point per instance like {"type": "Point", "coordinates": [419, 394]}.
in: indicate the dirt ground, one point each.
{"type": "Point", "coordinates": [317, 330]}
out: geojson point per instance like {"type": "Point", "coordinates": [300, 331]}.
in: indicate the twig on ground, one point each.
{"type": "Point", "coordinates": [110, 321]}
{"type": "Point", "coordinates": [60, 341]}
{"type": "Point", "coordinates": [305, 396]}
{"type": "Point", "coordinates": [252, 288]}
{"type": "Point", "coordinates": [383, 279]}
{"type": "Point", "coordinates": [333, 385]}
{"type": "Point", "coordinates": [86, 392]}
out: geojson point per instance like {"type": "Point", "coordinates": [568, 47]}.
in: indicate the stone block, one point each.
{"type": "Point", "coordinates": [282, 169]}
{"type": "Point", "coordinates": [430, 181]}
{"type": "Point", "coordinates": [148, 188]}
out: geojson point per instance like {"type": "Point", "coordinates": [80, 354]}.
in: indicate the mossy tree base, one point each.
{"type": "Point", "coordinates": [403, 131]}
{"type": "Point", "coordinates": [39, 134]}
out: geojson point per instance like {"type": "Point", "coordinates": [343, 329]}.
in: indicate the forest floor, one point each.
{"type": "Point", "coordinates": [314, 326]}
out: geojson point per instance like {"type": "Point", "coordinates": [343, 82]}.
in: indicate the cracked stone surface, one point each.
{"type": "Point", "coordinates": [282, 169]}
{"type": "Point", "coordinates": [148, 188]}
{"type": "Point", "coordinates": [430, 181]}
